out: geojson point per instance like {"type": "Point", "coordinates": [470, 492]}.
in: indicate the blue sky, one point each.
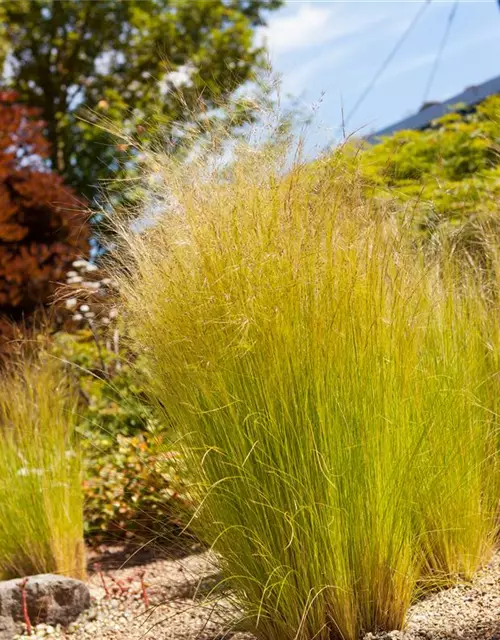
{"type": "Point", "coordinates": [326, 52]}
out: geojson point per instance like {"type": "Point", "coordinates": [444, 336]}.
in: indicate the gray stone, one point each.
{"type": "Point", "coordinates": [50, 599]}
{"type": "Point", "coordinates": [8, 628]}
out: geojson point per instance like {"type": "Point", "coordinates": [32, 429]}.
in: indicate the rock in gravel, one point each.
{"type": "Point", "coordinates": [7, 628]}
{"type": "Point", "coordinates": [50, 599]}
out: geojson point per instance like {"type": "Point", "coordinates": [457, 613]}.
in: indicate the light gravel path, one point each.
{"type": "Point", "coordinates": [464, 612]}
{"type": "Point", "coordinates": [179, 609]}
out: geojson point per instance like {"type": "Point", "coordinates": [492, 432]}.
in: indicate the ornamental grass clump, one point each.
{"type": "Point", "coordinates": [41, 507]}
{"type": "Point", "coordinates": [334, 391]}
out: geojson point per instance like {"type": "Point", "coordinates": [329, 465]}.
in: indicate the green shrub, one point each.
{"type": "Point", "coordinates": [112, 401]}
{"type": "Point", "coordinates": [41, 507]}
{"type": "Point", "coordinates": [132, 489]}
{"type": "Point", "coordinates": [336, 395]}
{"type": "Point", "coordinates": [448, 175]}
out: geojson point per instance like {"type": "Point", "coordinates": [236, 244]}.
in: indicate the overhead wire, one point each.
{"type": "Point", "coordinates": [439, 54]}
{"type": "Point", "coordinates": [387, 61]}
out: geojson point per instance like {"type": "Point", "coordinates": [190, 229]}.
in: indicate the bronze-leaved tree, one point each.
{"type": "Point", "coordinates": [42, 224]}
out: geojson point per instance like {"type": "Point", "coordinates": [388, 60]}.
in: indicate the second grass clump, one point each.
{"type": "Point", "coordinates": [41, 503]}
{"type": "Point", "coordinates": [336, 393]}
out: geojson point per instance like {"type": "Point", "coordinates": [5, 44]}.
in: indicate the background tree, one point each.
{"type": "Point", "coordinates": [42, 223]}
{"type": "Point", "coordinates": [450, 170]}
{"type": "Point", "coordinates": [128, 61]}
{"type": "Point", "coordinates": [447, 178]}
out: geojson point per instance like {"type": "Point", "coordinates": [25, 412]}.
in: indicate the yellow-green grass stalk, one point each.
{"type": "Point", "coordinates": [335, 394]}
{"type": "Point", "coordinates": [41, 508]}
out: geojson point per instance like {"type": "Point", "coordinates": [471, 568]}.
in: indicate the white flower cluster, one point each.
{"type": "Point", "coordinates": [91, 300]}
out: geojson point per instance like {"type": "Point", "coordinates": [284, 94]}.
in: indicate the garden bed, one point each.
{"type": "Point", "coordinates": [181, 607]}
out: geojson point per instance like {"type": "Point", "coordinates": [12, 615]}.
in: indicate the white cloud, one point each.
{"type": "Point", "coordinates": [306, 27]}
{"type": "Point", "coordinates": [353, 40]}
{"type": "Point", "coordinates": [311, 25]}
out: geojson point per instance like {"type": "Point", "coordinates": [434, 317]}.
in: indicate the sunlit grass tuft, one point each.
{"type": "Point", "coordinates": [41, 510]}
{"type": "Point", "coordinates": [336, 393]}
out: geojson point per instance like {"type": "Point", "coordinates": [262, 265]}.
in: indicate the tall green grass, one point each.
{"type": "Point", "coordinates": [336, 393]}
{"type": "Point", "coordinates": [41, 510]}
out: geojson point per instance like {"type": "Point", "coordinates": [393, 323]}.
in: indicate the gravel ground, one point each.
{"type": "Point", "coordinates": [464, 612]}
{"type": "Point", "coordinates": [179, 606]}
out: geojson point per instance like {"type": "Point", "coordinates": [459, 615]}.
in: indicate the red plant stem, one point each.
{"type": "Point", "coordinates": [144, 590]}
{"type": "Point", "coordinates": [119, 584]}
{"type": "Point", "coordinates": [98, 568]}
{"type": "Point", "coordinates": [24, 605]}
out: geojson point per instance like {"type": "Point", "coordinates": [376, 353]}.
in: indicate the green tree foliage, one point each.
{"type": "Point", "coordinates": [129, 62]}
{"type": "Point", "coordinates": [447, 175]}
